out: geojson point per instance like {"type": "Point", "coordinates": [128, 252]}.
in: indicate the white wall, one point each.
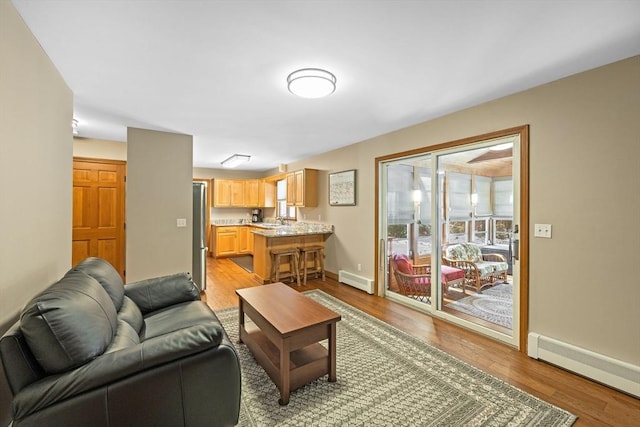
{"type": "Point", "coordinates": [35, 172]}
{"type": "Point", "coordinates": [159, 191]}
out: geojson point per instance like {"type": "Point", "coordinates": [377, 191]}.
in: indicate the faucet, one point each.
{"type": "Point", "coordinates": [280, 219]}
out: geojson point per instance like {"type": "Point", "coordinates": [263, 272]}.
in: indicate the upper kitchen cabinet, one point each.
{"type": "Point", "coordinates": [267, 194]}
{"type": "Point", "coordinates": [302, 188]}
{"type": "Point", "coordinates": [252, 193]}
{"type": "Point", "coordinates": [228, 193]}
{"type": "Point", "coordinates": [243, 193]}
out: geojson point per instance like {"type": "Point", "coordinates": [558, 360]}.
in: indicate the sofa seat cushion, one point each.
{"type": "Point", "coordinates": [449, 274]}
{"type": "Point", "coordinates": [487, 268]}
{"type": "Point", "coordinates": [174, 318]}
{"type": "Point", "coordinates": [70, 323]}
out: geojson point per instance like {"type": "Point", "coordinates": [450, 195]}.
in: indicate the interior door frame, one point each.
{"type": "Point", "coordinates": [379, 248]}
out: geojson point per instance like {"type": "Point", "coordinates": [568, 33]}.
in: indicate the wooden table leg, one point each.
{"type": "Point", "coordinates": [332, 352]}
{"type": "Point", "coordinates": [285, 379]}
{"type": "Point", "coordinates": [241, 320]}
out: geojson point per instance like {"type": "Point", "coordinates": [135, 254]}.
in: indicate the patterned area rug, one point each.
{"type": "Point", "coordinates": [387, 378]}
{"type": "Point", "coordinates": [494, 305]}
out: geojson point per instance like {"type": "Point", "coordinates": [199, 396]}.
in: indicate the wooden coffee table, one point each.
{"type": "Point", "coordinates": [285, 334]}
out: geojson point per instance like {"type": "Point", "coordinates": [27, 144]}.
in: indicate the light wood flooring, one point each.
{"type": "Point", "coordinates": [594, 404]}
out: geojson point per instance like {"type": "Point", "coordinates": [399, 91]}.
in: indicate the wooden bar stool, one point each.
{"type": "Point", "coordinates": [292, 257]}
{"type": "Point", "coordinates": [318, 262]}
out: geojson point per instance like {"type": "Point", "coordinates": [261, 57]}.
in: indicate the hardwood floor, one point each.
{"type": "Point", "coordinates": [594, 404]}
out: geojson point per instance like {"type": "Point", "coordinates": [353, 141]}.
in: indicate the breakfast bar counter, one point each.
{"type": "Point", "coordinates": [266, 240]}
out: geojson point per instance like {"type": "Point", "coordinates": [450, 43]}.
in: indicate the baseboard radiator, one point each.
{"type": "Point", "coordinates": [603, 369]}
{"type": "Point", "coordinates": [356, 281]}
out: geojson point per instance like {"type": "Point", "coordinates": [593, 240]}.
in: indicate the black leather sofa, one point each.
{"type": "Point", "coordinates": [89, 351]}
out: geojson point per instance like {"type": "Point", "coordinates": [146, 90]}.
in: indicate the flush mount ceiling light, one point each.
{"type": "Point", "coordinates": [235, 160]}
{"type": "Point", "coordinates": [311, 83]}
{"type": "Point", "coordinates": [74, 126]}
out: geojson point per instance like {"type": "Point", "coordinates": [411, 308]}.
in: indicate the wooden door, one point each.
{"type": "Point", "coordinates": [98, 211]}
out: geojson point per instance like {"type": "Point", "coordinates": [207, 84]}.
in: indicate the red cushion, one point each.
{"type": "Point", "coordinates": [403, 264]}
{"type": "Point", "coordinates": [451, 273]}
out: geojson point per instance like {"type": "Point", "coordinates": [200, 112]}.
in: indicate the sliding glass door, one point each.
{"type": "Point", "coordinates": [449, 223]}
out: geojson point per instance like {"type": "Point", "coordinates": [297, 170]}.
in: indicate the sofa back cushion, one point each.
{"type": "Point", "coordinates": [474, 254]}
{"type": "Point", "coordinates": [106, 275]}
{"type": "Point", "coordinates": [456, 252]}
{"type": "Point", "coordinates": [70, 323]}
{"type": "Point", "coordinates": [403, 264]}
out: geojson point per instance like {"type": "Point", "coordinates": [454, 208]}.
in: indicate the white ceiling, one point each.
{"type": "Point", "coordinates": [217, 69]}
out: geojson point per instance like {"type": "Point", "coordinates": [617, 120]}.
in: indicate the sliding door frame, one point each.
{"type": "Point", "coordinates": [523, 132]}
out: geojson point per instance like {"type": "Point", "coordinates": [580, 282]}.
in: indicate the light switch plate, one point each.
{"type": "Point", "coordinates": [181, 222]}
{"type": "Point", "coordinates": [542, 230]}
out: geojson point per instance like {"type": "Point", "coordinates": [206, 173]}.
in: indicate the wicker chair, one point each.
{"type": "Point", "coordinates": [480, 269]}
{"type": "Point", "coordinates": [413, 281]}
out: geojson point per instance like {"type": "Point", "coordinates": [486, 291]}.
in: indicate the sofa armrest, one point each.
{"type": "Point", "coordinates": [112, 367]}
{"type": "Point", "coordinates": [494, 257]}
{"type": "Point", "coordinates": [159, 292]}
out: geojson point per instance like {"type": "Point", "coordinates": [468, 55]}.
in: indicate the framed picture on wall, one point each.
{"type": "Point", "coordinates": [342, 188]}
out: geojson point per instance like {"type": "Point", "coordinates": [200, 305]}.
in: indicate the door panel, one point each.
{"type": "Point", "coordinates": [98, 211]}
{"type": "Point", "coordinates": [472, 192]}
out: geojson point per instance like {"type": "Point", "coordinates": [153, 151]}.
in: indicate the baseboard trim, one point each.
{"type": "Point", "coordinates": [604, 369]}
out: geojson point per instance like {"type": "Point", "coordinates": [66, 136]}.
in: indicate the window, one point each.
{"type": "Point", "coordinates": [282, 210]}
{"type": "Point", "coordinates": [502, 231]}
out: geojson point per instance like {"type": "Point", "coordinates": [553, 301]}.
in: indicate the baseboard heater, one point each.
{"type": "Point", "coordinates": [606, 370]}
{"type": "Point", "coordinates": [356, 281]}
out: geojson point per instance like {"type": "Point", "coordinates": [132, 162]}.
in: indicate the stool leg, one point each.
{"type": "Point", "coordinates": [303, 261]}
{"type": "Point", "coordinates": [296, 266]}
{"type": "Point", "coordinates": [277, 264]}
{"type": "Point", "coordinates": [321, 256]}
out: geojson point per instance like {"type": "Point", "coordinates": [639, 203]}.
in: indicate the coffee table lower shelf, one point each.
{"type": "Point", "coordinates": [305, 364]}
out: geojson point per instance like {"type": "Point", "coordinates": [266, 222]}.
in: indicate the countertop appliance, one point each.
{"type": "Point", "coordinates": [256, 215]}
{"type": "Point", "coordinates": [199, 248]}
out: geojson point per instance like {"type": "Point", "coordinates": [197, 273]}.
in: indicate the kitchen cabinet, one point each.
{"type": "Point", "coordinates": [302, 188]}
{"type": "Point", "coordinates": [232, 240]}
{"type": "Point", "coordinates": [252, 193]}
{"type": "Point", "coordinates": [226, 241]}
{"type": "Point", "coordinates": [243, 239]}
{"type": "Point", "coordinates": [267, 194]}
{"type": "Point", "coordinates": [243, 193]}
{"type": "Point", "coordinates": [228, 193]}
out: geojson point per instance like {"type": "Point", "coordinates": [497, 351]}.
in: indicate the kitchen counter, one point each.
{"type": "Point", "coordinates": [284, 237]}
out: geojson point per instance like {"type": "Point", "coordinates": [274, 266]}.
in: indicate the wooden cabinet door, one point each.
{"type": "Point", "coordinates": [226, 241]}
{"type": "Point", "coordinates": [291, 189]}
{"type": "Point", "coordinates": [299, 188]}
{"type": "Point", "coordinates": [250, 237]}
{"type": "Point", "coordinates": [252, 193]}
{"type": "Point", "coordinates": [221, 193]}
{"type": "Point", "coordinates": [267, 194]}
{"type": "Point", "coordinates": [243, 240]}
{"type": "Point", "coordinates": [237, 193]}
{"type": "Point", "coordinates": [98, 212]}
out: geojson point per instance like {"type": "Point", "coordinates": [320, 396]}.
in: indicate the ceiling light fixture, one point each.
{"type": "Point", "coordinates": [74, 126]}
{"type": "Point", "coordinates": [235, 160]}
{"type": "Point", "coordinates": [311, 83]}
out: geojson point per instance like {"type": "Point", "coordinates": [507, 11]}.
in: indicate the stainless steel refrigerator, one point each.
{"type": "Point", "coordinates": [199, 268]}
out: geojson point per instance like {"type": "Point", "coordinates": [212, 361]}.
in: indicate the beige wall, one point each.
{"type": "Point", "coordinates": [99, 149]}
{"type": "Point", "coordinates": [159, 191]}
{"type": "Point", "coordinates": [584, 177]}
{"type": "Point", "coordinates": [35, 172]}
{"type": "Point", "coordinates": [584, 169]}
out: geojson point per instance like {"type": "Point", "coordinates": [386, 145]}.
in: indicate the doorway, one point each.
{"type": "Point", "coordinates": [449, 222]}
